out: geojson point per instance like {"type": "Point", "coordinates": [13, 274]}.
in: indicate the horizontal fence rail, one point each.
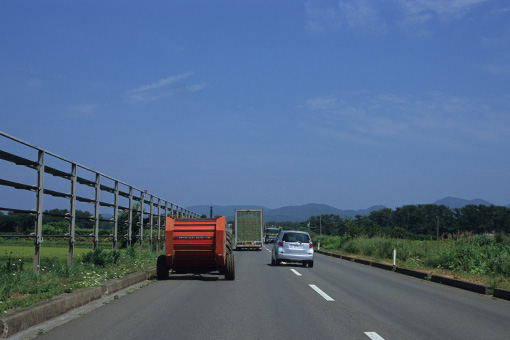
{"type": "Point", "coordinates": [137, 199]}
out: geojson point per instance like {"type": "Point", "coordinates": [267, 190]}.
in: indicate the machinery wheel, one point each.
{"type": "Point", "coordinates": [230, 270]}
{"type": "Point", "coordinates": [162, 268]}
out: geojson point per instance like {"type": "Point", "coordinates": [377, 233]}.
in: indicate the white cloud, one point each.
{"type": "Point", "coordinates": [34, 82]}
{"type": "Point", "coordinates": [82, 111]}
{"type": "Point", "coordinates": [422, 11]}
{"type": "Point", "coordinates": [163, 88]}
{"type": "Point", "coordinates": [321, 103]}
{"type": "Point", "coordinates": [499, 70]}
{"type": "Point", "coordinates": [372, 16]}
{"type": "Point", "coordinates": [321, 19]}
{"type": "Point", "coordinates": [161, 83]}
{"type": "Point", "coordinates": [434, 120]}
{"type": "Point", "coordinates": [361, 14]}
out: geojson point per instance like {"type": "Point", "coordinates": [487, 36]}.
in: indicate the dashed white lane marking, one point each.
{"type": "Point", "coordinates": [373, 336]}
{"type": "Point", "coordinates": [321, 293]}
{"type": "Point", "coordinates": [295, 272]}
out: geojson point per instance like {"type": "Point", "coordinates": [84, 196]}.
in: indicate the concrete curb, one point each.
{"type": "Point", "coordinates": [58, 305]}
{"type": "Point", "coordinates": [413, 273]}
{"type": "Point", "coordinates": [469, 286]}
{"type": "Point", "coordinates": [502, 294]}
{"type": "Point", "coordinates": [472, 287]}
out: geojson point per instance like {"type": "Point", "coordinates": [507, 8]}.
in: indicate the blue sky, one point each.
{"type": "Point", "coordinates": [274, 103]}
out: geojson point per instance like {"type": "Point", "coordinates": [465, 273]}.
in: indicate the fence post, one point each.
{"type": "Point", "coordinates": [130, 217]}
{"type": "Point", "coordinates": [39, 208]}
{"type": "Point", "coordinates": [159, 223]}
{"type": "Point", "coordinates": [151, 222]}
{"type": "Point", "coordinates": [140, 229]}
{"type": "Point", "coordinates": [394, 256]}
{"type": "Point", "coordinates": [115, 215]}
{"type": "Point", "coordinates": [164, 222]}
{"type": "Point", "coordinates": [72, 216]}
{"type": "Point", "coordinates": [96, 212]}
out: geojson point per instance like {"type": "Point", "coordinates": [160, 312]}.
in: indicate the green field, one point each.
{"type": "Point", "coordinates": [26, 253]}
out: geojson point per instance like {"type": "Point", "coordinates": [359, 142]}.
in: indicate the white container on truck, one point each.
{"type": "Point", "coordinates": [248, 228]}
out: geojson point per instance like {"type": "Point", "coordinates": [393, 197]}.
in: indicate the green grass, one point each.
{"type": "Point", "coordinates": [21, 287]}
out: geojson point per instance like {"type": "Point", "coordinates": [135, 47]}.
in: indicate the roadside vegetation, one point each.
{"type": "Point", "coordinates": [468, 243]}
{"type": "Point", "coordinates": [20, 287]}
{"type": "Point", "coordinates": [481, 259]}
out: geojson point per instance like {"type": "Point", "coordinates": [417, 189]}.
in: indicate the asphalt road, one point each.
{"type": "Point", "coordinates": [336, 299]}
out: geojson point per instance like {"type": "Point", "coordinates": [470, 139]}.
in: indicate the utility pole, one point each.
{"type": "Point", "coordinates": [437, 226]}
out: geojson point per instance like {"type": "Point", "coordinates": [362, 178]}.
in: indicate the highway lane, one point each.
{"type": "Point", "coordinates": [358, 302]}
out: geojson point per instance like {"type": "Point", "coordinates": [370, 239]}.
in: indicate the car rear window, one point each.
{"type": "Point", "coordinates": [295, 237]}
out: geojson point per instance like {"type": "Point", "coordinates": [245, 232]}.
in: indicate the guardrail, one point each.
{"type": "Point", "coordinates": [136, 198]}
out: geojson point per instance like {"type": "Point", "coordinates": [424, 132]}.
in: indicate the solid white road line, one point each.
{"type": "Point", "coordinates": [295, 272]}
{"type": "Point", "coordinates": [321, 293]}
{"type": "Point", "coordinates": [373, 336]}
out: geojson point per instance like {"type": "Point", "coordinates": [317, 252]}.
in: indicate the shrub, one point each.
{"type": "Point", "coordinates": [101, 258]}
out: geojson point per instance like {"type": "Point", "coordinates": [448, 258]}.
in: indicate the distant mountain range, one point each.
{"type": "Point", "coordinates": [289, 213]}
{"type": "Point", "coordinates": [303, 212]}
{"type": "Point", "coordinates": [454, 202]}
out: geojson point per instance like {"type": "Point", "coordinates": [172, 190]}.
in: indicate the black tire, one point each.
{"type": "Point", "coordinates": [277, 262]}
{"type": "Point", "coordinates": [310, 264]}
{"type": "Point", "coordinates": [273, 263]}
{"type": "Point", "coordinates": [230, 273]}
{"type": "Point", "coordinates": [162, 268]}
{"type": "Point", "coordinates": [229, 243]}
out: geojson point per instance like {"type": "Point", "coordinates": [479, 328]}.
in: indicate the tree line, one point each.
{"type": "Point", "coordinates": [56, 223]}
{"type": "Point", "coordinates": [415, 221]}
{"type": "Point", "coordinates": [408, 221]}
{"type": "Point", "coordinates": [19, 223]}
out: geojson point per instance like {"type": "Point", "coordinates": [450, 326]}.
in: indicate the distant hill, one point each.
{"type": "Point", "coordinates": [283, 214]}
{"type": "Point", "coordinates": [454, 202]}
{"type": "Point", "coordinates": [302, 213]}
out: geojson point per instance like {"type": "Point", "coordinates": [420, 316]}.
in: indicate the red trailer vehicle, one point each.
{"type": "Point", "coordinates": [199, 245]}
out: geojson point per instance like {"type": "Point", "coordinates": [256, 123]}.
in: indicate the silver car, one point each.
{"type": "Point", "coordinates": [293, 246]}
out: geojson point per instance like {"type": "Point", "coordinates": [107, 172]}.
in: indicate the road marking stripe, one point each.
{"type": "Point", "coordinates": [295, 272]}
{"type": "Point", "coordinates": [374, 336]}
{"type": "Point", "coordinates": [321, 293]}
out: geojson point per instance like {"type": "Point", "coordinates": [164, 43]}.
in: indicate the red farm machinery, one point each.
{"type": "Point", "coordinates": [198, 246]}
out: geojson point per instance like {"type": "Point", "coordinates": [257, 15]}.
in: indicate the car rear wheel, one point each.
{"type": "Point", "coordinates": [310, 264]}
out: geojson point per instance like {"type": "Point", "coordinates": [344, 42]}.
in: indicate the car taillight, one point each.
{"type": "Point", "coordinates": [280, 244]}
{"type": "Point", "coordinates": [311, 245]}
